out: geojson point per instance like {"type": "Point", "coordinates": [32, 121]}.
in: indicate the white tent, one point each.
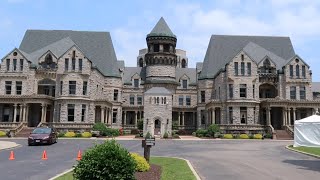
{"type": "Point", "coordinates": [307, 132]}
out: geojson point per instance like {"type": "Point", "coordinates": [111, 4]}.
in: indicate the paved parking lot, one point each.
{"type": "Point", "coordinates": [218, 159]}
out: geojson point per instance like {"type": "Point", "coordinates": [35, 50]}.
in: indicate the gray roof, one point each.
{"type": "Point", "coordinates": [120, 64]}
{"type": "Point", "coordinates": [158, 91]}
{"type": "Point", "coordinates": [96, 46]}
{"type": "Point", "coordinates": [315, 87]}
{"type": "Point", "coordinates": [190, 72]}
{"type": "Point", "coordinates": [223, 48]}
{"type": "Point", "coordinates": [161, 29]}
{"type": "Point", "coordinates": [130, 71]}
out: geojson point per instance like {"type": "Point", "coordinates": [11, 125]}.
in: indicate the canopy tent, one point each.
{"type": "Point", "coordinates": [307, 132]}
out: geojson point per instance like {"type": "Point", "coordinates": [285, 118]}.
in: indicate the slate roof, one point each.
{"type": "Point", "coordinates": [222, 48]}
{"type": "Point", "coordinates": [161, 29]}
{"type": "Point", "coordinates": [315, 87]}
{"type": "Point", "coordinates": [190, 72]}
{"type": "Point", "coordinates": [96, 46]}
{"type": "Point", "coordinates": [158, 91]}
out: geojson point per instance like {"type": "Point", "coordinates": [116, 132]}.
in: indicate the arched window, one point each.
{"type": "Point", "coordinates": [297, 71]}
{"type": "Point", "coordinates": [140, 62]}
{"type": "Point", "coordinates": [48, 62]}
{"type": "Point", "coordinates": [183, 63]}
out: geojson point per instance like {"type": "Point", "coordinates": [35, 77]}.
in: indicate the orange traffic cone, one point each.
{"type": "Point", "coordinates": [11, 157]}
{"type": "Point", "coordinates": [79, 155]}
{"type": "Point", "coordinates": [44, 155]}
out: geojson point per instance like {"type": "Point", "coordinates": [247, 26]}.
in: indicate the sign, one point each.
{"type": "Point", "coordinates": [150, 142]}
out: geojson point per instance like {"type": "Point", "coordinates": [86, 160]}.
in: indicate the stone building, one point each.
{"type": "Point", "coordinates": [72, 79]}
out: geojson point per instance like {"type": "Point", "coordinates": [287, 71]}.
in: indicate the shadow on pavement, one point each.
{"type": "Point", "coordinates": [313, 165]}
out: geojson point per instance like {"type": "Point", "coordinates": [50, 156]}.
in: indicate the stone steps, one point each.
{"type": "Point", "coordinates": [25, 132]}
{"type": "Point", "coordinates": [283, 135]}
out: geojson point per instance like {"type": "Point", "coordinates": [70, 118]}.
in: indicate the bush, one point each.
{"type": "Point", "coordinates": [194, 134]}
{"type": "Point", "coordinates": [176, 136]}
{"type": "Point", "coordinates": [148, 135]}
{"type": "Point", "coordinates": [134, 131]}
{"type": "Point", "coordinates": [236, 136]}
{"type": "Point", "coordinates": [2, 134]}
{"type": "Point", "coordinates": [70, 134]}
{"type": "Point", "coordinates": [78, 135]}
{"type": "Point", "coordinates": [213, 129]}
{"type": "Point", "coordinates": [268, 135]}
{"type": "Point", "coordinates": [250, 136]}
{"type": "Point", "coordinates": [140, 124]}
{"type": "Point", "coordinates": [86, 134]}
{"type": "Point", "coordinates": [201, 133]}
{"type": "Point", "coordinates": [257, 136]}
{"type": "Point", "coordinates": [137, 136]}
{"type": "Point", "coordinates": [220, 135]}
{"type": "Point", "coordinates": [61, 134]}
{"type": "Point", "coordinates": [175, 125]}
{"type": "Point", "coordinates": [165, 136]}
{"type": "Point", "coordinates": [228, 136]}
{"type": "Point", "coordinates": [100, 127]}
{"type": "Point", "coordinates": [244, 136]}
{"type": "Point", "coordinates": [141, 163]}
{"type": "Point", "coordinates": [105, 161]}
{"type": "Point", "coordinates": [182, 132]}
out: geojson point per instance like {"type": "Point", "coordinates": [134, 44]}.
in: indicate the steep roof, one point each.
{"type": "Point", "coordinates": [222, 48]}
{"type": "Point", "coordinates": [130, 71]}
{"type": "Point", "coordinates": [161, 29]}
{"type": "Point", "coordinates": [96, 46]}
{"type": "Point", "coordinates": [190, 72]}
{"type": "Point", "coordinates": [158, 91]}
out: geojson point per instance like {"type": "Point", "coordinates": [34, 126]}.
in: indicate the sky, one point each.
{"type": "Point", "coordinates": [193, 22]}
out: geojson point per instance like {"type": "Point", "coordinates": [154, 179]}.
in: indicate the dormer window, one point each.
{"type": "Point", "coordinates": [136, 83]}
{"type": "Point", "coordinates": [297, 71]}
{"type": "Point", "coordinates": [267, 68]}
{"type": "Point", "coordinates": [73, 54]}
{"type": "Point", "coordinates": [48, 62]}
{"type": "Point", "coordinates": [184, 84]}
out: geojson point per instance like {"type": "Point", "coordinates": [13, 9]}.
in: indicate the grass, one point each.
{"type": "Point", "coordinates": [172, 168]}
{"type": "Point", "coordinates": [311, 150]}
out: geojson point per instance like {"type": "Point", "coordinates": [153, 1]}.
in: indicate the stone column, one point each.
{"type": "Point", "coordinates": [314, 111]}
{"type": "Point", "coordinates": [20, 114]}
{"type": "Point", "coordinates": [213, 115]}
{"type": "Point", "coordinates": [179, 119]}
{"type": "Point", "coordinates": [284, 118]}
{"type": "Point", "coordinates": [42, 112]}
{"type": "Point", "coordinates": [268, 116]}
{"type": "Point", "coordinates": [125, 118]}
{"type": "Point", "coordinates": [289, 116]}
{"type": "Point", "coordinates": [45, 113]}
{"type": "Point", "coordinates": [27, 113]}
{"type": "Point", "coordinates": [294, 114]}
{"type": "Point", "coordinates": [110, 115]}
{"type": "Point", "coordinates": [15, 113]}
{"type": "Point", "coordinates": [105, 115]}
{"type": "Point", "coordinates": [183, 119]}
{"type": "Point", "coordinates": [102, 114]}
{"type": "Point", "coordinates": [136, 119]}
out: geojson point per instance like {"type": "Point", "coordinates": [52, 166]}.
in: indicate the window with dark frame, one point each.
{"type": "Point", "coordinates": [8, 85]}
{"type": "Point", "coordinates": [302, 92]}
{"type": "Point", "coordinates": [83, 112]}
{"type": "Point", "coordinates": [230, 91]}
{"type": "Point", "coordinates": [292, 92]}
{"type": "Point", "coordinates": [14, 64]}
{"type": "Point", "coordinates": [139, 100]}
{"type": "Point", "coordinates": [242, 68]}
{"type": "Point", "coordinates": [303, 71]}
{"type": "Point", "coordinates": [297, 71]}
{"type": "Point", "coordinates": [73, 64]}
{"type": "Point", "coordinates": [230, 115]}
{"type": "Point", "coordinates": [188, 100]}
{"type": "Point", "coordinates": [243, 90]}
{"type": "Point", "coordinates": [243, 115]}
{"type": "Point", "coordinates": [253, 91]}
{"type": "Point", "coordinates": [166, 48]}
{"type": "Point", "coordinates": [184, 84]}
{"type": "Point", "coordinates": [84, 88]}
{"type": "Point", "coordinates": [156, 48]}
{"type": "Point", "coordinates": [203, 96]}
{"type": "Point", "coordinates": [180, 100]}
{"type": "Point", "coordinates": [70, 112]}
{"type": "Point", "coordinates": [136, 83]}
{"type": "Point", "coordinates": [21, 64]}
{"type": "Point", "coordinates": [131, 99]}
{"type": "Point", "coordinates": [236, 71]}
{"type": "Point", "coordinates": [115, 94]}
{"type": "Point", "coordinates": [291, 70]}
{"type": "Point", "coordinates": [80, 64]}
{"type": "Point", "coordinates": [18, 87]}
{"type": "Point", "coordinates": [114, 115]}
{"type": "Point", "coordinates": [61, 87]}
{"type": "Point", "coordinates": [66, 64]}
{"type": "Point", "coordinates": [8, 64]}
{"type": "Point", "coordinates": [249, 68]}
{"type": "Point", "coordinates": [72, 87]}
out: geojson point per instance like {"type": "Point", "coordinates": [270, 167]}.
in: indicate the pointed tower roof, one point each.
{"type": "Point", "coordinates": [161, 29]}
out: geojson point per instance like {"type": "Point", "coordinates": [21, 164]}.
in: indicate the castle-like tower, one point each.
{"type": "Point", "coordinates": [161, 60]}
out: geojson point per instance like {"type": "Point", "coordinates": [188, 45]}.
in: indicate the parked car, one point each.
{"type": "Point", "coordinates": [43, 135]}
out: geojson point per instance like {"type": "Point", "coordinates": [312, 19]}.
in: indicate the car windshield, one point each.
{"type": "Point", "coordinates": [41, 131]}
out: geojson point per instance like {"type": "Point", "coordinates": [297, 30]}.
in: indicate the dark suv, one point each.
{"type": "Point", "coordinates": [43, 135]}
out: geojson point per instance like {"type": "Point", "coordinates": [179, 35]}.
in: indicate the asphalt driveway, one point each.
{"type": "Point", "coordinates": [218, 159]}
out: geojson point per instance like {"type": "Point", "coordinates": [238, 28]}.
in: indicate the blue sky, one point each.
{"type": "Point", "coordinates": [129, 21]}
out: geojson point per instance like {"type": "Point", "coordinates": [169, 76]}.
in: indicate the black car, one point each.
{"type": "Point", "coordinates": [43, 135]}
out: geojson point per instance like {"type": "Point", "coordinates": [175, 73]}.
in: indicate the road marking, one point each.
{"type": "Point", "coordinates": [63, 173]}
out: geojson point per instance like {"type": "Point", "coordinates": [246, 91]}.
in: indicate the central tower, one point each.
{"type": "Point", "coordinates": [161, 60]}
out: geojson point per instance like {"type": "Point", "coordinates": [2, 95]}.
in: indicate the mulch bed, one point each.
{"type": "Point", "coordinates": [153, 174]}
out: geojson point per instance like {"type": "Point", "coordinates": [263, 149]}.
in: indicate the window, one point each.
{"type": "Point", "coordinates": [242, 68]}
{"type": "Point", "coordinates": [180, 100]}
{"type": "Point", "coordinates": [72, 87]}
{"type": "Point", "coordinates": [73, 64]}
{"type": "Point", "coordinates": [302, 92]}
{"type": "Point", "coordinates": [219, 93]}
{"type": "Point", "coordinates": [184, 84]}
{"type": "Point", "coordinates": [243, 115]}
{"type": "Point", "coordinates": [249, 68]}
{"type": "Point", "coordinates": [243, 90]}
{"type": "Point", "coordinates": [21, 64]}
{"type": "Point", "coordinates": [291, 70]}
{"type": "Point", "coordinates": [8, 87]}
{"type": "Point", "coordinates": [230, 115]}
{"type": "Point", "coordinates": [70, 112]}
{"type": "Point", "coordinates": [83, 112]}
{"type": "Point", "coordinates": [115, 94]}
{"type": "Point", "coordinates": [230, 91]}
{"type": "Point", "coordinates": [292, 92]}
{"type": "Point", "coordinates": [14, 64]}
{"type": "Point", "coordinates": [253, 89]}
{"type": "Point", "coordinates": [183, 63]}
{"type": "Point", "coordinates": [297, 71]}
{"type": "Point", "coordinates": [73, 54]}
{"type": "Point", "coordinates": [303, 71]}
{"type": "Point", "coordinates": [80, 64]}
{"type": "Point", "coordinates": [84, 88]}
{"type": "Point", "coordinates": [166, 48]}
{"type": "Point", "coordinates": [18, 87]}
{"type": "Point", "coordinates": [188, 100]}
{"type": "Point", "coordinates": [136, 83]}
{"type": "Point", "coordinates": [140, 62]}
{"type": "Point", "coordinates": [156, 48]}
{"type": "Point", "coordinates": [139, 100]}
{"type": "Point", "coordinates": [158, 100]}
{"type": "Point", "coordinates": [236, 68]}
{"type": "Point", "coordinates": [203, 96]}
{"type": "Point", "coordinates": [131, 99]}
{"type": "Point", "coordinates": [8, 64]}
{"type": "Point", "coordinates": [165, 100]}
{"type": "Point", "coordinates": [61, 87]}
{"type": "Point", "coordinates": [114, 115]}
{"type": "Point", "coordinates": [242, 57]}
{"type": "Point", "coordinates": [66, 64]}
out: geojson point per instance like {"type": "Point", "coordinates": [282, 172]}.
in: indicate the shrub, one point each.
{"type": "Point", "coordinates": [176, 136]}
{"type": "Point", "coordinates": [228, 136]}
{"type": "Point", "coordinates": [100, 127]}
{"type": "Point", "coordinates": [148, 135]}
{"type": "Point", "coordinates": [137, 136]}
{"type": "Point", "coordinates": [201, 133]}
{"type": "Point", "coordinates": [220, 136]}
{"type": "Point", "coordinates": [175, 125]}
{"type": "Point", "coordinates": [140, 124]}
{"type": "Point", "coordinates": [194, 134]}
{"type": "Point", "coordinates": [251, 136]}
{"type": "Point", "coordinates": [134, 131]}
{"type": "Point", "coordinates": [165, 136]}
{"type": "Point", "coordinates": [61, 134]}
{"type": "Point", "coordinates": [70, 134]}
{"type": "Point", "coordinates": [2, 134]}
{"type": "Point", "coordinates": [86, 134]}
{"type": "Point", "coordinates": [257, 136]}
{"type": "Point", "coordinates": [78, 135]}
{"type": "Point", "coordinates": [236, 136]}
{"type": "Point", "coordinates": [244, 136]}
{"type": "Point", "coordinates": [141, 163]}
{"type": "Point", "coordinates": [105, 161]}
{"type": "Point", "coordinates": [268, 135]}
{"type": "Point", "coordinates": [182, 132]}
{"type": "Point", "coordinates": [213, 129]}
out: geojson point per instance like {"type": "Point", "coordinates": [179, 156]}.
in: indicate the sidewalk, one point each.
{"type": "Point", "coordinates": [188, 138]}
{"type": "Point", "coordinates": [7, 145]}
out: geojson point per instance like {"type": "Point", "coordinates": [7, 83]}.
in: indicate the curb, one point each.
{"type": "Point", "coordinates": [302, 152]}
{"type": "Point", "coordinates": [61, 174]}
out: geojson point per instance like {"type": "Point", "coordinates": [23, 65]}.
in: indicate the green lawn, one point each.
{"type": "Point", "coordinates": [172, 168]}
{"type": "Point", "coordinates": [311, 150]}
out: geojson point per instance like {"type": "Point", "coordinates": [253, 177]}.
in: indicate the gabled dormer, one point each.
{"type": "Point", "coordinates": [48, 61]}
{"type": "Point", "coordinates": [136, 80]}
{"type": "Point", "coordinates": [297, 68]}
{"type": "Point", "coordinates": [184, 81]}
{"type": "Point", "coordinates": [15, 61]}
{"type": "Point", "coordinates": [266, 65]}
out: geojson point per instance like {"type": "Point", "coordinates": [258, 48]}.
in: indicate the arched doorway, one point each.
{"type": "Point", "coordinates": [267, 91]}
{"type": "Point", "coordinates": [157, 127]}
